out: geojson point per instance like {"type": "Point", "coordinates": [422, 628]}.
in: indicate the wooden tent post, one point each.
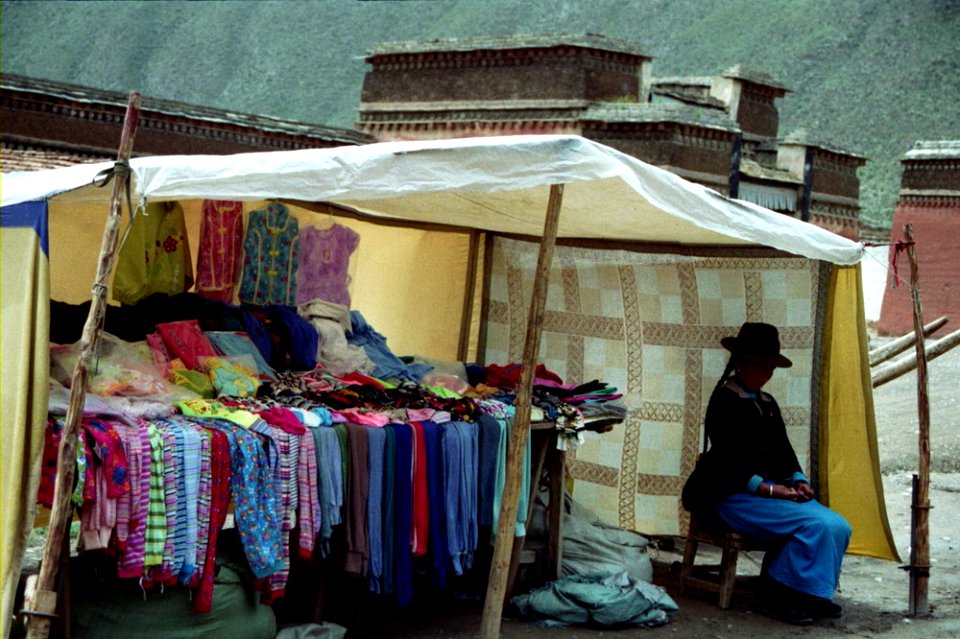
{"type": "Point", "coordinates": [42, 608]}
{"type": "Point", "coordinates": [500, 565]}
{"type": "Point", "coordinates": [919, 533]}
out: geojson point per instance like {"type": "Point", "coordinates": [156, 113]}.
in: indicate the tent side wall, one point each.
{"type": "Point", "coordinates": [24, 270]}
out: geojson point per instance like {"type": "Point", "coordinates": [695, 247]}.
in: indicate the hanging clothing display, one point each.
{"type": "Point", "coordinates": [405, 470]}
{"type": "Point", "coordinates": [221, 241]}
{"type": "Point", "coordinates": [271, 257]}
{"type": "Point", "coordinates": [325, 264]}
{"type": "Point", "coordinates": [154, 255]}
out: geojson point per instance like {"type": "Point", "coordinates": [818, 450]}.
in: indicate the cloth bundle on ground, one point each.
{"type": "Point", "coordinates": [599, 600]}
{"type": "Point", "coordinates": [591, 547]}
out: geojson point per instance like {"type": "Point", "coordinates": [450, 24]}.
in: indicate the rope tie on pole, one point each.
{"type": "Point", "coordinates": [121, 168]}
{"type": "Point", "coordinates": [898, 248]}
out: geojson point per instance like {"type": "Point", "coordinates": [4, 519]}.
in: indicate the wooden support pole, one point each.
{"type": "Point", "coordinates": [500, 565]}
{"type": "Point", "coordinates": [897, 346]}
{"type": "Point", "coordinates": [907, 363]}
{"type": "Point", "coordinates": [466, 317]}
{"type": "Point", "coordinates": [557, 470]}
{"type": "Point", "coordinates": [920, 534]}
{"type": "Point", "coordinates": [44, 601]}
{"type": "Point", "coordinates": [541, 447]}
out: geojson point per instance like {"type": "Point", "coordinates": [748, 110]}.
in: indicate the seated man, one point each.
{"type": "Point", "coordinates": [751, 480]}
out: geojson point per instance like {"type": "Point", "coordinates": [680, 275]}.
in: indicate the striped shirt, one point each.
{"type": "Point", "coordinates": [185, 565]}
{"type": "Point", "coordinates": [138, 460]}
{"type": "Point", "coordinates": [309, 491]}
{"type": "Point", "coordinates": [156, 530]}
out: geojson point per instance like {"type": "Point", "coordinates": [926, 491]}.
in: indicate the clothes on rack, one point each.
{"type": "Point", "coordinates": [271, 257]}
{"type": "Point", "coordinates": [221, 243]}
{"type": "Point", "coordinates": [154, 254]}
{"type": "Point", "coordinates": [409, 473]}
{"type": "Point", "coordinates": [325, 262]}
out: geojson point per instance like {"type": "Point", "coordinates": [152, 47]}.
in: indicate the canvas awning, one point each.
{"type": "Point", "coordinates": [497, 184]}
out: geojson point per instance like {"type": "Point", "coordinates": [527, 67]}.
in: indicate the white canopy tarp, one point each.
{"type": "Point", "coordinates": [496, 184]}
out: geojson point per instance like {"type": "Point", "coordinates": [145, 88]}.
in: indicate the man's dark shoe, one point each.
{"type": "Point", "coordinates": [824, 609]}
{"type": "Point", "coordinates": [789, 614]}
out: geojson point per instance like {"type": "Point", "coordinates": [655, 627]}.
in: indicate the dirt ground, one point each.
{"type": "Point", "coordinates": [874, 593]}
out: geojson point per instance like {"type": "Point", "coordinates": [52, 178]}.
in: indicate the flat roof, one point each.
{"type": "Point", "coordinates": [934, 150]}
{"type": "Point", "coordinates": [90, 95]}
{"type": "Point", "coordinates": [802, 137]}
{"type": "Point", "coordinates": [518, 41]}
{"type": "Point", "coordinates": [741, 72]}
{"type": "Point", "coordinates": [653, 112]}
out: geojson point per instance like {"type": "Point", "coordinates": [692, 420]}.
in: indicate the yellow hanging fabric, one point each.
{"type": "Point", "coordinates": [25, 338]}
{"type": "Point", "coordinates": [849, 461]}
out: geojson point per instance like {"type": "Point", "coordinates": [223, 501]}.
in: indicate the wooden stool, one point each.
{"type": "Point", "coordinates": [715, 578]}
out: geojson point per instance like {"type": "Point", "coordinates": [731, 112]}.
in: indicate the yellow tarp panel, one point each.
{"type": "Point", "coordinates": [24, 333]}
{"type": "Point", "coordinates": [849, 460]}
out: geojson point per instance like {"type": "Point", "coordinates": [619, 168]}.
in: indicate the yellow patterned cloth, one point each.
{"type": "Point", "coordinates": [651, 324]}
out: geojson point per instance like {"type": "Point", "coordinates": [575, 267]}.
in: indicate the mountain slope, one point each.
{"type": "Point", "coordinates": [870, 75]}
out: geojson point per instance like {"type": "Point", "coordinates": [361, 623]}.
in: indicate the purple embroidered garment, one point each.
{"type": "Point", "coordinates": [324, 264]}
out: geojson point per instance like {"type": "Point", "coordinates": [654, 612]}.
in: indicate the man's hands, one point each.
{"type": "Point", "coordinates": [804, 491]}
{"type": "Point", "coordinates": [801, 492]}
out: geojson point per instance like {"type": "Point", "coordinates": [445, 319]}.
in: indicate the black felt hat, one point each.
{"type": "Point", "coordinates": [757, 342]}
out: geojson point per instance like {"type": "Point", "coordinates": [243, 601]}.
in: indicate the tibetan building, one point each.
{"type": "Point", "coordinates": [49, 124]}
{"type": "Point", "coordinates": [720, 131]}
{"type": "Point", "coordinates": [929, 200]}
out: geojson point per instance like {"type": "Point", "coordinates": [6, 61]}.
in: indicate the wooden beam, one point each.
{"type": "Point", "coordinates": [907, 363]}
{"type": "Point", "coordinates": [897, 346]}
{"type": "Point", "coordinates": [920, 533]}
{"type": "Point", "coordinates": [500, 565]}
{"type": "Point", "coordinates": [45, 597]}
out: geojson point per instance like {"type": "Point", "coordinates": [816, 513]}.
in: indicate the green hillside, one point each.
{"type": "Point", "coordinates": [869, 75]}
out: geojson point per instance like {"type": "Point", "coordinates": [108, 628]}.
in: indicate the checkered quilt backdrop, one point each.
{"type": "Point", "coordinates": [650, 324]}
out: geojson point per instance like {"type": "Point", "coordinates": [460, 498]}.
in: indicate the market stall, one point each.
{"type": "Point", "coordinates": [649, 272]}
